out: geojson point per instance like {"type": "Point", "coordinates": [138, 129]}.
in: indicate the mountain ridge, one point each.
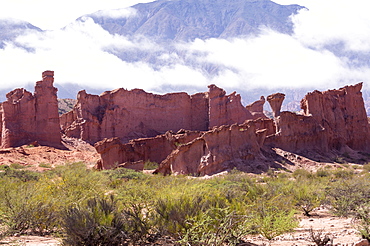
{"type": "Point", "coordinates": [170, 20]}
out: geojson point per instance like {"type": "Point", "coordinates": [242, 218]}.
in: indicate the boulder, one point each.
{"type": "Point", "coordinates": [27, 117]}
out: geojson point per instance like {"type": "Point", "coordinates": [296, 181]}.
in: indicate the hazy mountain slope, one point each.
{"type": "Point", "coordinates": [10, 29]}
{"type": "Point", "coordinates": [189, 19]}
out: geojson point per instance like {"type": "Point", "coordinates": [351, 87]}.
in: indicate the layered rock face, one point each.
{"type": "Point", "coordinates": [342, 114]}
{"type": "Point", "coordinates": [138, 114]}
{"type": "Point", "coordinates": [331, 121]}
{"type": "Point", "coordinates": [222, 148]}
{"type": "Point", "coordinates": [136, 152]}
{"type": "Point", "coordinates": [225, 110]}
{"type": "Point", "coordinates": [26, 118]}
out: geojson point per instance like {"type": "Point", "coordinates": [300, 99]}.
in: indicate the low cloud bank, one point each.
{"type": "Point", "coordinates": [83, 53]}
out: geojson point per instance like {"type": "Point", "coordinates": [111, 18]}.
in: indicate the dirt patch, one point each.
{"type": "Point", "coordinates": [341, 231]}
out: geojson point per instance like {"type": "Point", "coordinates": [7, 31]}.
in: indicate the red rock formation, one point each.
{"type": "Point", "coordinates": [223, 148]}
{"type": "Point", "coordinates": [225, 109]}
{"type": "Point", "coordinates": [113, 153]}
{"type": "Point", "coordinates": [299, 133]}
{"type": "Point", "coordinates": [26, 118]}
{"type": "Point", "coordinates": [342, 114]}
{"type": "Point", "coordinates": [275, 101]}
{"type": "Point", "coordinates": [256, 108]}
{"type": "Point", "coordinates": [137, 114]}
{"type": "Point", "coordinates": [332, 121]}
{"type": "Point", "coordinates": [134, 114]}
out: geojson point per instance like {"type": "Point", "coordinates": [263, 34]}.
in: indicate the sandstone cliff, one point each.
{"type": "Point", "coordinates": [27, 117]}
{"type": "Point", "coordinates": [331, 123]}
{"type": "Point", "coordinates": [137, 114]}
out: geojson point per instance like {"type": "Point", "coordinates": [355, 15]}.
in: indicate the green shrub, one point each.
{"type": "Point", "coordinates": [362, 217]}
{"type": "Point", "coordinates": [123, 173]}
{"type": "Point", "coordinates": [271, 220]}
{"type": "Point", "coordinates": [346, 196]}
{"type": "Point", "coordinates": [216, 227]}
{"type": "Point", "coordinates": [16, 165]}
{"type": "Point", "coordinates": [22, 209]}
{"type": "Point", "coordinates": [45, 165]}
{"type": "Point", "coordinates": [302, 173]}
{"type": "Point", "coordinates": [23, 175]}
{"type": "Point", "coordinates": [97, 223]}
{"type": "Point", "coordinates": [308, 196]}
{"type": "Point", "coordinates": [150, 165]}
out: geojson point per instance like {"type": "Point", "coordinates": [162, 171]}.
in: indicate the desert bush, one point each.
{"type": "Point", "coordinates": [362, 219]}
{"type": "Point", "coordinates": [302, 173]}
{"type": "Point", "coordinates": [308, 195]}
{"type": "Point", "coordinates": [320, 238]}
{"type": "Point", "coordinates": [345, 196]}
{"type": "Point", "coordinates": [272, 218]}
{"type": "Point", "coordinates": [217, 226]}
{"type": "Point", "coordinates": [97, 223]}
{"type": "Point", "coordinates": [150, 165]}
{"type": "Point", "coordinates": [174, 212]}
{"type": "Point", "coordinates": [22, 175]}
{"type": "Point", "coordinates": [22, 210]}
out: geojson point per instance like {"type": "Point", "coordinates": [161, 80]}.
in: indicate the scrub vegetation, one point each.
{"type": "Point", "coordinates": [124, 207]}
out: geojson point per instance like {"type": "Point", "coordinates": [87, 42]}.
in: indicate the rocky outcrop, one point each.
{"type": "Point", "coordinates": [138, 114]}
{"type": "Point", "coordinates": [225, 109]}
{"type": "Point", "coordinates": [332, 121]}
{"type": "Point", "coordinates": [136, 152]}
{"type": "Point", "coordinates": [222, 148]}
{"type": "Point", "coordinates": [275, 101]}
{"type": "Point", "coordinates": [256, 108]}
{"type": "Point", "coordinates": [342, 114]}
{"type": "Point", "coordinates": [134, 114]}
{"type": "Point", "coordinates": [28, 118]}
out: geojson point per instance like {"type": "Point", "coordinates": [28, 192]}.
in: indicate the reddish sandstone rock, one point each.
{"type": "Point", "coordinates": [332, 121]}
{"type": "Point", "coordinates": [26, 118]}
{"type": "Point", "coordinates": [138, 114]}
{"type": "Point", "coordinates": [226, 109]}
{"type": "Point", "coordinates": [223, 148]}
{"type": "Point", "coordinates": [256, 108]}
{"type": "Point", "coordinates": [134, 114]}
{"type": "Point", "coordinates": [130, 155]}
{"type": "Point", "coordinates": [299, 133]}
{"type": "Point", "coordinates": [275, 101]}
{"type": "Point", "coordinates": [342, 114]}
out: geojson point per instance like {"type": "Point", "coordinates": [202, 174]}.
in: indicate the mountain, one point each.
{"type": "Point", "coordinates": [11, 28]}
{"type": "Point", "coordinates": [185, 20]}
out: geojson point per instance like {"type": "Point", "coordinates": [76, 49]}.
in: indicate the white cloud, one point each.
{"type": "Point", "coordinates": [116, 13]}
{"type": "Point", "coordinates": [274, 60]}
{"type": "Point", "coordinates": [80, 53]}
{"type": "Point", "coordinates": [334, 21]}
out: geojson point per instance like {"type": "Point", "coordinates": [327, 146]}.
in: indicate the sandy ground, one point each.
{"type": "Point", "coordinates": [341, 231]}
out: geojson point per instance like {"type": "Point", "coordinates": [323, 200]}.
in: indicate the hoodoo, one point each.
{"type": "Point", "coordinates": [28, 118]}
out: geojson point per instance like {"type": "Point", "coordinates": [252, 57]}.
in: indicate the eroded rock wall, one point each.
{"type": "Point", "coordinates": [222, 148]}
{"type": "Point", "coordinates": [114, 153]}
{"type": "Point", "coordinates": [342, 114]}
{"type": "Point", "coordinates": [138, 114]}
{"type": "Point", "coordinates": [27, 117]}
